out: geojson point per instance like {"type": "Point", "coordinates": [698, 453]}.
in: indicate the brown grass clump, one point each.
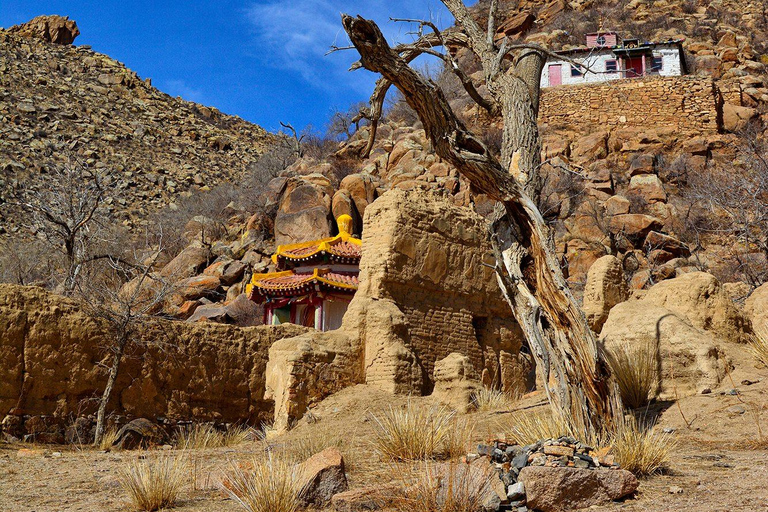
{"type": "Point", "coordinates": [635, 368]}
{"type": "Point", "coordinates": [758, 344]}
{"type": "Point", "coordinates": [271, 485]}
{"type": "Point", "coordinates": [487, 399]}
{"type": "Point", "coordinates": [204, 435]}
{"type": "Point", "coordinates": [641, 449]}
{"type": "Point", "coordinates": [447, 487]}
{"type": "Point", "coordinates": [524, 429]}
{"type": "Point", "coordinates": [413, 432]}
{"type": "Point", "coordinates": [108, 439]}
{"type": "Point", "coordinates": [458, 439]}
{"type": "Point", "coordinates": [153, 484]}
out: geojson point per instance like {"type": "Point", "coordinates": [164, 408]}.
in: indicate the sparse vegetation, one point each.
{"type": "Point", "coordinates": [204, 435]}
{"type": "Point", "coordinates": [487, 399]}
{"type": "Point", "coordinates": [635, 368]}
{"type": "Point", "coordinates": [527, 428]}
{"type": "Point", "coordinates": [154, 483]}
{"type": "Point", "coordinates": [270, 485]}
{"type": "Point", "coordinates": [459, 438]}
{"type": "Point", "coordinates": [640, 448]}
{"type": "Point", "coordinates": [413, 432]}
{"type": "Point", "coordinates": [303, 447]}
{"type": "Point", "coordinates": [448, 487]}
{"type": "Point", "coordinates": [108, 439]}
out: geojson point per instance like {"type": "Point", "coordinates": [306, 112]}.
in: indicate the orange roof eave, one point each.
{"type": "Point", "coordinates": [323, 245]}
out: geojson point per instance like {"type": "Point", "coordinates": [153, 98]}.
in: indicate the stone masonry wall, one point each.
{"type": "Point", "coordinates": [49, 352]}
{"type": "Point", "coordinates": [689, 103]}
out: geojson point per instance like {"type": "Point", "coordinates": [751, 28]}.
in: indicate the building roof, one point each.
{"type": "Point", "coordinates": [619, 47]}
{"type": "Point", "coordinates": [294, 283]}
{"type": "Point", "coordinates": [342, 248]}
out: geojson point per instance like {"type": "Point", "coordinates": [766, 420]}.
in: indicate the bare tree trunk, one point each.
{"type": "Point", "coordinates": [107, 394]}
{"type": "Point", "coordinates": [578, 381]}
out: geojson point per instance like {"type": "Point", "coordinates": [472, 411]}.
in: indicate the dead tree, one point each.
{"type": "Point", "coordinates": [123, 292]}
{"type": "Point", "coordinates": [578, 381]}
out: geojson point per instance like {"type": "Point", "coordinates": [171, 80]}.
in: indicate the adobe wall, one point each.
{"type": "Point", "coordinates": [691, 104]}
{"type": "Point", "coordinates": [49, 351]}
{"type": "Point", "coordinates": [428, 264]}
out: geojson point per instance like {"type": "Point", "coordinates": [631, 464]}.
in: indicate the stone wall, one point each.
{"type": "Point", "coordinates": [691, 104]}
{"type": "Point", "coordinates": [50, 351]}
{"type": "Point", "coordinates": [428, 264]}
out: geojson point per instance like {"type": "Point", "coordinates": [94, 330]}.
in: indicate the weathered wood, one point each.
{"type": "Point", "coordinates": [578, 381]}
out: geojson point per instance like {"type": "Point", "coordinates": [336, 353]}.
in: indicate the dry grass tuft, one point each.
{"type": "Point", "coordinates": [641, 449]}
{"type": "Point", "coordinates": [524, 429]}
{"type": "Point", "coordinates": [108, 439]}
{"type": "Point", "coordinates": [302, 448]}
{"type": "Point", "coordinates": [154, 484]}
{"type": "Point", "coordinates": [413, 432]}
{"type": "Point", "coordinates": [758, 344]}
{"type": "Point", "coordinates": [635, 368]}
{"type": "Point", "coordinates": [458, 440]}
{"type": "Point", "coordinates": [272, 485]}
{"type": "Point", "coordinates": [447, 487]}
{"type": "Point", "coordinates": [204, 435]}
{"type": "Point", "coordinates": [487, 399]}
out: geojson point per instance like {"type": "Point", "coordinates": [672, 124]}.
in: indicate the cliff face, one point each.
{"type": "Point", "coordinates": [60, 103]}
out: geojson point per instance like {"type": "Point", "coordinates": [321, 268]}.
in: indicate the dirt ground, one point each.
{"type": "Point", "coordinates": [720, 463]}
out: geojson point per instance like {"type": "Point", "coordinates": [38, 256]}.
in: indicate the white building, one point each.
{"type": "Point", "coordinates": [607, 58]}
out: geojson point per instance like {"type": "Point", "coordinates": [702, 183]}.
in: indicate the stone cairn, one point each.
{"type": "Point", "coordinates": [510, 459]}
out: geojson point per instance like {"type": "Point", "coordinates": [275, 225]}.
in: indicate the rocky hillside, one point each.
{"type": "Point", "coordinates": [60, 103]}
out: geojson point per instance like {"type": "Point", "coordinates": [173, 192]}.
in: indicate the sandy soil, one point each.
{"type": "Point", "coordinates": [720, 464]}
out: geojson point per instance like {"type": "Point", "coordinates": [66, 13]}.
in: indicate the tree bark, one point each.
{"type": "Point", "coordinates": [107, 394]}
{"type": "Point", "coordinates": [578, 381]}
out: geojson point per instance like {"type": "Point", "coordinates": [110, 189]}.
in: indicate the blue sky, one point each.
{"type": "Point", "coordinates": [261, 60]}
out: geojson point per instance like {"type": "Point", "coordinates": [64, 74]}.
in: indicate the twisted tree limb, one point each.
{"type": "Point", "coordinates": [578, 381]}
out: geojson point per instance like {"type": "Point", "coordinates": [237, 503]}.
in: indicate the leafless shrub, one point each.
{"type": "Point", "coordinates": [27, 262]}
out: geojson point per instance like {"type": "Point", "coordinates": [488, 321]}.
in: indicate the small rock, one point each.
{"type": "Point", "coordinates": [736, 409]}
{"type": "Point", "coordinates": [675, 490]}
{"type": "Point", "coordinates": [516, 491]}
{"type": "Point", "coordinates": [706, 391]}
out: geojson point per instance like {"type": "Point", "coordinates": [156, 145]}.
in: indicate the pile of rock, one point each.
{"type": "Point", "coordinates": [563, 463]}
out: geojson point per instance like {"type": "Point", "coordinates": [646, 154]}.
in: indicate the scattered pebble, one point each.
{"type": "Point", "coordinates": [736, 409]}
{"type": "Point", "coordinates": [675, 490]}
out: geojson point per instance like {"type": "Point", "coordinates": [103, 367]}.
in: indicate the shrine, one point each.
{"type": "Point", "coordinates": [313, 283]}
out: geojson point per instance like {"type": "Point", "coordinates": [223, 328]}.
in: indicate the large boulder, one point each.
{"type": "Point", "coordinates": [635, 226]}
{"type": "Point", "coordinates": [188, 263]}
{"type": "Point", "coordinates": [590, 147]}
{"type": "Point", "coordinates": [52, 29]}
{"type": "Point", "coordinates": [605, 288]}
{"type": "Point", "coordinates": [455, 381]}
{"type": "Point", "coordinates": [140, 433]}
{"type": "Point", "coordinates": [689, 359]}
{"type": "Point", "coordinates": [699, 298]}
{"type": "Point", "coordinates": [563, 489]}
{"type": "Point", "coordinates": [304, 213]}
{"type": "Point", "coordinates": [322, 477]}
{"type": "Point", "coordinates": [361, 188]}
{"type": "Point", "coordinates": [736, 117]}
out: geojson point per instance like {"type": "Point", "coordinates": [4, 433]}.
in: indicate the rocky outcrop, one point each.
{"type": "Point", "coordinates": [689, 359]}
{"type": "Point", "coordinates": [700, 299]}
{"type": "Point", "coordinates": [51, 29]}
{"type": "Point", "coordinates": [605, 288]}
{"type": "Point", "coordinates": [51, 354]}
{"type": "Point", "coordinates": [322, 477]}
{"type": "Point", "coordinates": [71, 103]}
{"type": "Point", "coordinates": [756, 309]}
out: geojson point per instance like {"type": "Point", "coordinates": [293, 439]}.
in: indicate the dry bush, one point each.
{"type": "Point", "coordinates": [154, 484]}
{"type": "Point", "coordinates": [640, 448]}
{"type": "Point", "coordinates": [487, 399]}
{"type": "Point", "coordinates": [635, 368]}
{"type": "Point", "coordinates": [525, 429]}
{"type": "Point", "coordinates": [758, 344]}
{"type": "Point", "coordinates": [108, 439]}
{"type": "Point", "coordinates": [413, 432]}
{"type": "Point", "coordinates": [204, 435]}
{"type": "Point", "coordinates": [459, 438]}
{"type": "Point", "coordinates": [271, 485]}
{"type": "Point", "coordinates": [450, 487]}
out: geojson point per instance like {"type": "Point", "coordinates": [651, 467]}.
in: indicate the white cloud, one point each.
{"type": "Point", "coordinates": [295, 35]}
{"type": "Point", "coordinates": [183, 89]}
